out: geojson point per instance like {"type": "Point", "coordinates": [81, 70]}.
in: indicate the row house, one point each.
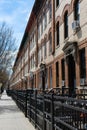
{"type": "Point", "coordinates": [53, 51]}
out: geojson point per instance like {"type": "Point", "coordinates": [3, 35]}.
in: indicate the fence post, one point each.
{"type": "Point", "coordinates": [43, 111]}
{"type": "Point", "coordinates": [63, 88]}
{"type": "Point", "coordinates": [17, 97]}
{"type": "Point", "coordinates": [25, 103]}
{"type": "Point", "coordinates": [52, 110]}
{"type": "Point", "coordinates": [35, 108]}
{"type": "Point", "coordinates": [30, 107]}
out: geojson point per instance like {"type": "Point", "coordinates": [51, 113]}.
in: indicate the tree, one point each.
{"type": "Point", "coordinates": [4, 77]}
{"type": "Point", "coordinates": [7, 49]}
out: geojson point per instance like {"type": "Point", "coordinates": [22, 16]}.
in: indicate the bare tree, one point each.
{"type": "Point", "coordinates": [4, 77]}
{"type": "Point", "coordinates": [7, 49]}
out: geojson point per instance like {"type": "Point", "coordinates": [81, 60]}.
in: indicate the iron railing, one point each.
{"type": "Point", "coordinates": [52, 111]}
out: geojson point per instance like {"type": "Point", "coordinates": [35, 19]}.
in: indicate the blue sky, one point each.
{"type": "Point", "coordinates": [16, 14]}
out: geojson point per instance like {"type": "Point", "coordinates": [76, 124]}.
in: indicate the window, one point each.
{"type": "Point", "coordinates": [76, 10]}
{"type": "Point", "coordinates": [39, 56]}
{"type": "Point", "coordinates": [50, 12]}
{"type": "Point", "coordinates": [45, 50]}
{"type": "Point", "coordinates": [50, 43]}
{"type": "Point", "coordinates": [57, 3]}
{"type": "Point", "coordinates": [45, 21]}
{"type": "Point", "coordinates": [30, 63]}
{"type": "Point", "coordinates": [39, 80]}
{"type": "Point", "coordinates": [26, 69]}
{"type": "Point", "coordinates": [57, 74]}
{"type": "Point", "coordinates": [31, 44]}
{"type": "Point", "coordinates": [39, 31]}
{"type": "Point", "coordinates": [82, 64]}
{"type": "Point", "coordinates": [46, 79]}
{"type": "Point", "coordinates": [33, 62]}
{"type": "Point", "coordinates": [33, 38]}
{"type": "Point", "coordinates": [66, 25]}
{"type": "Point", "coordinates": [26, 55]}
{"type": "Point", "coordinates": [57, 34]}
{"type": "Point", "coordinates": [42, 27]}
{"type": "Point", "coordinates": [41, 53]}
{"type": "Point", "coordinates": [35, 80]}
{"type": "Point", "coordinates": [63, 69]}
{"type": "Point", "coordinates": [50, 74]}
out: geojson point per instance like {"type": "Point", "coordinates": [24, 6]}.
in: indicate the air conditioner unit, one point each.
{"type": "Point", "coordinates": [82, 81]}
{"type": "Point", "coordinates": [75, 24]}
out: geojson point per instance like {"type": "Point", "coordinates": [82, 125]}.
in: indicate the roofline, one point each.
{"type": "Point", "coordinates": [34, 13]}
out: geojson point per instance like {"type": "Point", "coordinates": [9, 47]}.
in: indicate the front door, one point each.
{"type": "Point", "coordinates": [71, 75]}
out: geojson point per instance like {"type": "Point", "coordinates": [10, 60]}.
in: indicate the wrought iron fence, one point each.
{"type": "Point", "coordinates": [52, 111]}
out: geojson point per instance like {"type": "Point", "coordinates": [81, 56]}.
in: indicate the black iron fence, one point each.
{"type": "Point", "coordinates": [51, 111]}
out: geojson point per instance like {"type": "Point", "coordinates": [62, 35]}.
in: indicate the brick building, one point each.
{"type": "Point", "coordinates": [56, 37]}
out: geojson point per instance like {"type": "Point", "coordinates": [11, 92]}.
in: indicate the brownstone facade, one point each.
{"type": "Point", "coordinates": [62, 48]}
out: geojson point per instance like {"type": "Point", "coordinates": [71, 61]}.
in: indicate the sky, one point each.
{"type": "Point", "coordinates": [16, 14]}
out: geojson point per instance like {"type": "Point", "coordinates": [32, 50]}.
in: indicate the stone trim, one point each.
{"type": "Point", "coordinates": [66, 8]}
{"type": "Point", "coordinates": [58, 19]}
{"type": "Point", "coordinates": [83, 44]}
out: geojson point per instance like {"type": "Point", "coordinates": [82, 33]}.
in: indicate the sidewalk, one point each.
{"type": "Point", "coordinates": [11, 118]}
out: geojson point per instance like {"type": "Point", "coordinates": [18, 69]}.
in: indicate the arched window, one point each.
{"type": "Point", "coordinates": [76, 10]}
{"type": "Point", "coordinates": [57, 33]}
{"type": "Point", "coordinates": [66, 25]}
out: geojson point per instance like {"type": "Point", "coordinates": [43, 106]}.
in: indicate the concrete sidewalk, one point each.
{"type": "Point", "coordinates": [11, 118]}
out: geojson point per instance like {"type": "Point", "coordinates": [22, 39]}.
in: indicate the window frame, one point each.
{"type": "Point", "coordinates": [45, 21]}
{"type": "Point", "coordinates": [50, 12]}
{"type": "Point", "coordinates": [50, 43]}
{"type": "Point", "coordinates": [42, 26]}
{"type": "Point", "coordinates": [50, 77]}
{"type": "Point", "coordinates": [63, 69]}
{"type": "Point", "coordinates": [57, 74]}
{"type": "Point", "coordinates": [77, 10]}
{"type": "Point", "coordinates": [82, 63]}
{"type": "Point", "coordinates": [45, 50]}
{"type": "Point", "coordinates": [57, 3]}
{"type": "Point", "coordinates": [57, 33]}
{"type": "Point", "coordinates": [66, 25]}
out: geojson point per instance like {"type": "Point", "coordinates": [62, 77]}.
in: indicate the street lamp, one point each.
{"type": "Point", "coordinates": [42, 73]}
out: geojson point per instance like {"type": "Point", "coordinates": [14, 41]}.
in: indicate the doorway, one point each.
{"type": "Point", "coordinates": [71, 75]}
